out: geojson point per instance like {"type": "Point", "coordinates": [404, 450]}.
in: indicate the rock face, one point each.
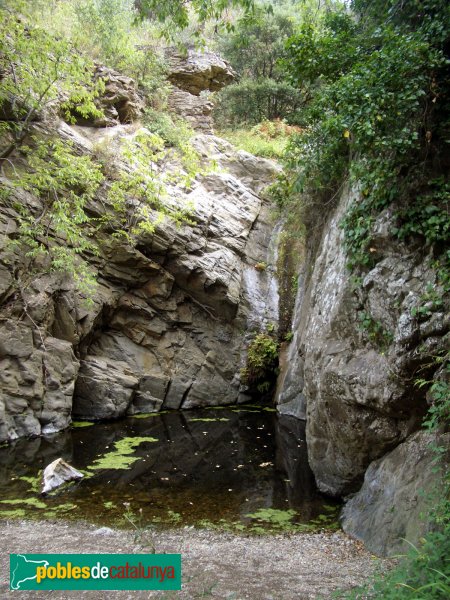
{"type": "Point", "coordinates": [194, 75]}
{"type": "Point", "coordinates": [355, 384]}
{"type": "Point", "coordinates": [390, 509]}
{"type": "Point", "coordinates": [164, 326]}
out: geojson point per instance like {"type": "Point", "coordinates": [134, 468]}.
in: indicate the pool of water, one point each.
{"type": "Point", "coordinates": [241, 468]}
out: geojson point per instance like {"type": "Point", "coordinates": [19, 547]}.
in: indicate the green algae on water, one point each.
{"type": "Point", "coordinates": [273, 516]}
{"type": "Point", "coordinates": [148, 415]}
{"type": "Point", "coordinates": [121, 458]}
{"type": "Point", "coordinates": [206, 420]}
{"type": "Point", "coordinates": [28, 501]}
{"type": "Point", "coordinates": [18, 513]}
{"type": "Point", "coordinates": [33, 482]}
{"type": "Point", "coordinates": [64, 507]}
{"type": "Point", "coordinates": [82, 423]}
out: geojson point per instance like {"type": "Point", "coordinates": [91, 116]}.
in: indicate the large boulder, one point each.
{"type": "Point", "coordinates": [194, 75]}
{"type": "Point", "coordinates": [196, 71]}
{"type": "Point", "coordinates": [391, 510]}
{"type": "Point", "coordinates": [196, 110]}
{"type": "Point", "coordinates": [104, 389]}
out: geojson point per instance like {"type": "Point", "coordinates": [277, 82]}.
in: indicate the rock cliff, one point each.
{"type": "Point", "coordinates": [164, 328]}
{"type": "Point", "coordinates": [357, 349]}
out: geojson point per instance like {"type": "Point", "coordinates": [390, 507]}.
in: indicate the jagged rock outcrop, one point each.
{"type": "Point", "coordinates": [356, 383]}
{"type": "Point", "coordinates": [390, 510]}
{"type": "Point", "coordinates": [164, 326]}
{"type": "Point", "coordinates": [196, 71]}
{"type": "Point", "coordinates": [120, 100]}
{"type": "Point", "coordinates": [194, 75]}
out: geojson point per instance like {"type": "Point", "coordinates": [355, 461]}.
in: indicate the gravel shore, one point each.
{"type": "Point", "coordinates": [215, 565]}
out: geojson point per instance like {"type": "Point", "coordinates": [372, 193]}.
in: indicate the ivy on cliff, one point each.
{"type": "Point", "coordinates": [379, 116]}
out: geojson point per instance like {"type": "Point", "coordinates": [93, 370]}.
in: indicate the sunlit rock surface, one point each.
{"type": "Point", "coordinates": [194, 76]}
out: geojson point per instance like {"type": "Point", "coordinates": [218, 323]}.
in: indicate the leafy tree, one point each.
{"type": "Point", "coordinates": [54, 234]}
{"type": "Point", "coordinates": [36, 70]}
{"type": "Point", "coordinates": [254, 49]}
{"type": "Point", "coordinates": [322, 48]}
{"type": "Point", "coordinates": [257, 43]}
{"type": "Point", "coordinates": [110, 31]}
{"type": "Point", "coordinates": [179, 12]}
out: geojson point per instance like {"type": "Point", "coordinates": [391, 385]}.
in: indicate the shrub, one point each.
{"type": "Point", "coordinates": [262, 363]}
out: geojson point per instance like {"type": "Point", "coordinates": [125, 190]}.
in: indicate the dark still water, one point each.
{"type": "Point", "coordinates": [241, 468]}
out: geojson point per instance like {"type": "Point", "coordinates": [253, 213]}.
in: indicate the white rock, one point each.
{"type": "Point", "coordinates": [57, 473]}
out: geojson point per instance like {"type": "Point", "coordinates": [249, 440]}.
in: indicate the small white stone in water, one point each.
{"type": "Point", "coordinates": [57, 473]}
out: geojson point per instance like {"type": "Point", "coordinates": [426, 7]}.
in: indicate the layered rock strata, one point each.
{"type": "Point", "coordinates": [166, 326]}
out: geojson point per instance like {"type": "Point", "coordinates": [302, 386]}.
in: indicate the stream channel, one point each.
{"type": "Point", "coordinates": [240, 468]}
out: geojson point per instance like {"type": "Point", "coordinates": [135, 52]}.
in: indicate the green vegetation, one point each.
{"type": "Point", "coordinates": [377, 119]}
{"type": "Point", "coordinates": [206, 420]}
{"type": "Point", "coordinates": [148, 415]}
{"type": "Point", "coordinates": [374, 330]}
{"type": "Point", "coordinates": [254, 48]}
{"type": "Point", "coordinates": [377, 116]}
{"type": "Point", "coordinates": [273, 516]}
{"type": "Point", "coordinates": [37, 68]}
{"type": "Point", "coordinates": [18, 513]}
{"type": "Point", "coordinates": [268, 139]}
{"type": "Point", "coordinates": [262, 363]}
{"type": "Point", "coordinates": [347, 94]}
{"type": "Point", "coordinates": [54, 236]}
{"type": "Point", "coordinates": [180, 13]}
{"type": "Point", "coordinates": [33, 502]}
{"type": "Point", "coordinates": [272, 521]}
{"type": "Point", "coordinates": [47, 64]}
{"type": "Point", "coordinates": [122, 457]}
